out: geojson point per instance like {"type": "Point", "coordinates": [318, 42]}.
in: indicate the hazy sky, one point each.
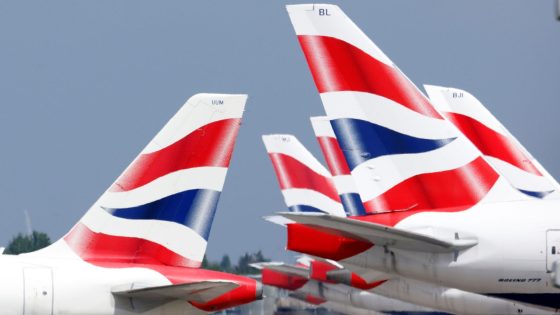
{"type": "Point", "coordinates": [84, 85]}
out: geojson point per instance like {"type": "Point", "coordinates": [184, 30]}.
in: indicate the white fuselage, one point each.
{"type": "Point", "coordinates": [409, 295]}
{"type": "Point", "coordinates": [69, 286]}
{"type": "Point", "coordinates": [510, 259]}
{"type": "Point", "coordinates": [452, 300]}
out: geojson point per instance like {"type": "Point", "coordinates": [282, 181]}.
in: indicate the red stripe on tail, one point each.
{"type": "Point", "coordinates": [210, 145]}
{"type": "Point", "coordinates": [334, 156]}
{"type": "Point", "coordinates": [339, 66]}
{"type": "Point", "coordinates": [99, 248]}
{"type": "Point", "coordinates": [458, 188]}
{"type": "Point", "coordinates": [292, 173]}
{"type": "Point", "coordinates": [492, 143]}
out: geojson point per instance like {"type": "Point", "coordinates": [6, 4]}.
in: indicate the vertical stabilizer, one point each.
{"type": "Point", "coordinates": [161, 208]}
{"type": "Point", "coordinates": [400, 151]}
{"type": "Point", "coordinates": [306, 185]}
{"type": "Point", "coordinates": [499, 147]}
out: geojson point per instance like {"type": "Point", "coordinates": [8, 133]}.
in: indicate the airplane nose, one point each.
{"type": "Point", "coordinates": [259, 290]}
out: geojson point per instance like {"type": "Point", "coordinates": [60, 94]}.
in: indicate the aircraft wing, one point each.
{"type": "Point", "coordinates": [381, 235]}
{"type": "Point", "coordinates": [198, 292]}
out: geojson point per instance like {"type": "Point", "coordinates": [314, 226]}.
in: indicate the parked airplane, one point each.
{"type": "Point", "coordinates": [333, 283]}
{"type": "Point", "coordinates": [138, 249]}
{"type": "Point", "coordinates": [437, 210]}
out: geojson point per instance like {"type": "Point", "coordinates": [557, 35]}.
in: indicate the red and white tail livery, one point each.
{"type": "Point", "coordinates": [160, 209]}
{"type": "Point", "coordinates": [138, 248]}
{"type": "Point", "coordinates": [500, 148]}
{"type": "Point", "coordinates": [401, 152]}
{"type": "Point", "coordinates": [307, 186]}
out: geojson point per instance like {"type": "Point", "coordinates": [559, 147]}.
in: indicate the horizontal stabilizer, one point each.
{"type": "Point", "coordinates": [381, 235]}
{"type": "Point", "coordinates": [197, 292]}
{"type": "Point", "coordinates": [283, 268]}
{"type": "Point", "coordinates": [277, 219]}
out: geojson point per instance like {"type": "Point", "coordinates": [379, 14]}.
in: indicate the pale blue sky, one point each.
{"type": "Point", "coordinates": [84, 85]}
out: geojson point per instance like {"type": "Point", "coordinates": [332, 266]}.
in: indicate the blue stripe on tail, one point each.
{"type": "Point", "coordinates": [536, 194]}
{"type": "Point", "coordinates": [192, 208]}
{"type": "Point", "coordinates": [305, 208]}
{"type": "Point", "coordinates": [352, 204]}
{"type": "Point", "coordinates": [361, 140]}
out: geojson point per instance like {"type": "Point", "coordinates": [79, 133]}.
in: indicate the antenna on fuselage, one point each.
{"type": "Point", "coordinates": [28, 225]}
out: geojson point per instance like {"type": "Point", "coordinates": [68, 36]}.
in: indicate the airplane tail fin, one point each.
{"type": "Point", "coordinates": [400, 151]}
{"type": "Point", "coordinates": [306, 185]}
{"type": "Point", "coordinates": [160, 209]}
{"type": "Point", "coordinates": [499, 147]}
